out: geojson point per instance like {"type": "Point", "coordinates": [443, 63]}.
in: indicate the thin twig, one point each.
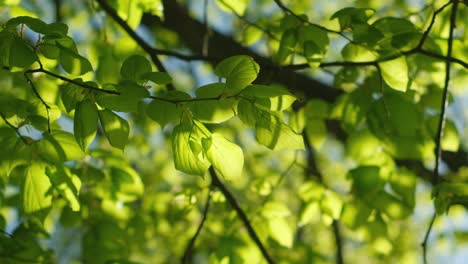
{"type": "Point", "coordinates": [189, 249]}
{"type": "Point", "coordinates": [289, 11]}
{"type": "Point", "coordinates": [338, 242]}
{"type": "Point", "coordinates": [145, 46]}
{"type": "Point", "coordinates": [58, 15]}
{"type": "Point", "coordinates": [428, 30]}
{"type": "Point", "coordinates": [243, 217]}
{"type": "Point", "coordinates": [441, 125]}
{"type": "Point", "coordinates": [14, 128]}
{"type": "Point", "coordinates": [444, 102]}
{"type": "Point", "coordinates": [313, 170]}
{"type": "Point", "coordinates": [426, 237]}
{"type": "Point", "coordinates": [47, 107]}
{"type": "Point", "coordinates": [248, 22]}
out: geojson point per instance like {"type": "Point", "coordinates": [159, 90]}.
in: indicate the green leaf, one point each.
{"type": "Point", "coordinates": [390, 205]}
{"type": "Point", "coordinates": [226, 157]}
{"type": "Point", "coordinates": [316, 35]}
{"type": "Point", "coordinates": [213, 111]}
{"type": "Point", "coordinates": [85, 123]}
{"type": "Point", "coordinates": [239, 71]}
{"type": "Point", "coordinates": [403, 183]}
{"type": "Point", "coordinates": [160, 78]}
{"type": "Point", "coordinates": [21, 54]}
{"type": "Point", "coordinates": [115, 127]}
{"type": "Point", "coordinates": [366, 180]}
{"type": "Point", "coordinates": [38, 25]}
{"type": "Point", "coordinates": [357, 53]}
{"type": "Point", "coordinates": [271, 132]}
{"type": "Point", "coordinates": [395, 73]}
{"type": "Point", "coordinates": [72, 94]}
{"type": "Point", "coordinates": [252, 35]}
{"type": "Point", "coordinates": [165, 112]}
{"type": "Point", "coordinates": [313, 54]}
{"type": "Point", "coordinates": [450, 138]}
{"type": "Point", "coordinates": [134, 67]}
{"type": "Point", "coordinates": [107, 72]}
{"type": "Point", "coordinates": [183, 146]}
{"type": "Point", "coordinates": [130, 96]}
{"type": "Point", "coordinates": [351, 15]}
{"type": "Point", "coordinates": [316, 131]}
{"type": "Point", "coordinates": [233, 6]}
{"type": "Point", "coordinates": [67, 184]}
{"type": "Point", "coordinates": [247, 112]}
{"type": "Point", "coordinates": [59, 146]}
{"type": "Point", "coordinates": [35, 186]}
{"type": "Point", "coordinates": [126, 183]}
{"type": "Point", "coordinates": [279, 98]}
{"type": "Point", "coordinates": [281, 231]}
{"type": "Point", "coordinates": [287, 45]}
{"type": "Point", "coordinates": [72, 62]}
{"type": "Point", "coordinates": [6, 40]}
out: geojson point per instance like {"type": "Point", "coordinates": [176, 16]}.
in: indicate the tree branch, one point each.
{"type": "Point", "coordinates": [444, 102]}
{"type": "Point", "coordinates": [188, 250]}
{"type": "Point", "coordinates": [313, 170]}
{"type": "Point", "coordinates": [243, 217]}
{"type": "Point", "coordinates": [426, 237]}
{"type": "Point", "coordinates": [145, 46]}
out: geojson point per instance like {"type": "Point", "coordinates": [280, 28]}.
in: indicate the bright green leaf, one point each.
{"type": "Point", "coordinates": [36, 184]}
{"type": "Point", "coordinates": [184, 158]}
{"type": "Point", "coordinates": [226, 157]}
{"type": "Point", "coordinates": [271, 132]}
{"type": "Point", "coordinates": [239, 71]}
{"type": "Point", "coordinates": [213, 111]}
{"type": "Point", "coordinates": [395, 73]}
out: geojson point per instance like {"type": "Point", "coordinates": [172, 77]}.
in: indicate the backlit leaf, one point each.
{"type": "Point", "coordinates": [184, 158]}
{"type": "Point", "coordinates": [395, 73]}
{"type": "Point", "coordinates": [85, 123]}
{"type": "Point", "coordinates": [226, 157]}
{"type": "Point", "coordinates": [115, 128]}
{"type": "Point", "coordinates": [239, 71]}
{"type": "Point", "coordinates": [36, 184]}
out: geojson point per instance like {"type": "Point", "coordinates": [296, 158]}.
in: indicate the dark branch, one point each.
{"type": "Point", "coordinates": [444, 102]}
{"type": "Point", "coordinates": [243, 217]}
{"type": "Point", "coordinates": [338, 242]}
{"type": "Point", "coordinates": [313, 170]}
{"type": "Point", "coordinates": [145, 46]}
{"type": "Point", "coordinates": [189, 249]}
{"type": "Point", "coordinates": [426, 237]}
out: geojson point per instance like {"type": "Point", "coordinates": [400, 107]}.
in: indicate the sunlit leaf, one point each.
{"type": "Point", "coordinates": [184, 158]}
{"type": "Point", "coordinates": [226, 157]}
{"type": "Point", "coordinates": [35, 186]}
{"type": "Point", "coordinates": [239, 71]}
{"type": "Point", "coordinates": [213, 111]}
{"type": "Point", "coordinates": [395, 73]}
{"type": "Point", "coordinates": [115, 128]}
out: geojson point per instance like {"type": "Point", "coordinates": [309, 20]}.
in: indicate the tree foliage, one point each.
{"type": "Point", "coordinates": [232, 131]}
